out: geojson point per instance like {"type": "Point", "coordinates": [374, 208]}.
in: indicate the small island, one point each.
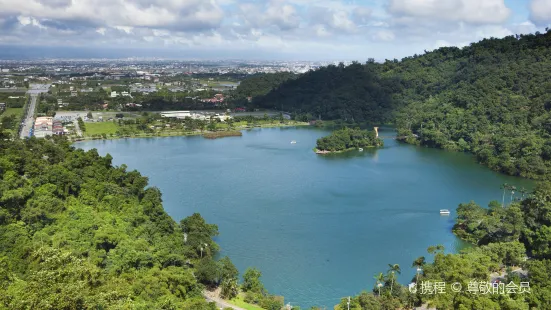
{"type": "Point", "coordinates": [347, 139]}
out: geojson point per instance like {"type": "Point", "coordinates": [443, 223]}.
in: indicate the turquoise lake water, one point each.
{"type": "Point", "coordinates": [318, 227]}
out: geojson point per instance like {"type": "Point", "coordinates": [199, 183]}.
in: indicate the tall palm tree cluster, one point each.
{"type": "Point", "coordinates": [383, 280]}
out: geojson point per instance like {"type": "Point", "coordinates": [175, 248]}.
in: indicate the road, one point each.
{"type": "Point", "coordinates": [77, 128]}
{"type": "Point", "coordinates": [28, 122]}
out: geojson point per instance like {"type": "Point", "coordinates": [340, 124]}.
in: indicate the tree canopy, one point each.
{"type": "Point", "coordinates": [491, 98]}
{"type": "Point", "coordinates": [348, 138]}
{"type": "Point", "coordinates": [77, 232]}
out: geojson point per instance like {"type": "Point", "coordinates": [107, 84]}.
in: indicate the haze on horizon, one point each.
{"type": "Point", "coordinates": [245, 29]}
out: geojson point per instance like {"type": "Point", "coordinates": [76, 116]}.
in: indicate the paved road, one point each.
{"type": "Point", "coordinates": [28, 122]}
{"type": "Point", "coordinates": [77, 128]}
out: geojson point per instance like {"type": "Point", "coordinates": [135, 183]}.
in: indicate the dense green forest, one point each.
{"type": "Point", "coordinates": [259, 85]}
{"type": "Point", "coordinates": [348, 138]}
{"type": "Point", "coordinates": [78, 233]}
{"type": "Point", "coordinates": [353, 93]}
{"type": "Point", "coordinates": [491, 98]}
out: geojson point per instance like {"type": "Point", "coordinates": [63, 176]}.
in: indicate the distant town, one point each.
{"type": "Point", "coordinates": [147, 67]}
{"type": "Point", "coordinates": [42, 98]}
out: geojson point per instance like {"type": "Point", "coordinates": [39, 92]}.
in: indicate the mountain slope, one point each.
{"type": "Point", "coordinates": [353, 93]}
{"type": "Point", "coordinates": [492, 98]}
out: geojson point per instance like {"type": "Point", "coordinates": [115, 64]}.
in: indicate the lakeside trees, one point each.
{"type": "Point", "coordinates": [491, 98]}
{"type": "Point", "coordinates": [77, 232]}
{"type": "Point", "coordinates": [489, 274]}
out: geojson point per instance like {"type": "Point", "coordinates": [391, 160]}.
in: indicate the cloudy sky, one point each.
{"type": "Point", "coordinates": [292, 29]}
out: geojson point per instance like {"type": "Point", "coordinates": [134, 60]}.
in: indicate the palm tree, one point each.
{"type": "Point", "coordinates": [504, 186]}
{"type": "Point", "coordinates": [419, 263]}
{"type": "Point", "coordinates": [380, 278]}
{"type": "Point", "coordinates": [393, 268]}
{"type": "Point", "coordinates": [512, 188]}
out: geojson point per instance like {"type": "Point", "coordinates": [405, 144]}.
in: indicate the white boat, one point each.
{"type": "Point", "coordinates": [444, 212]}
{"type": "Point", "coordinates": [360, 149]}
{"type": "Point", "coordinates": [293, 142]}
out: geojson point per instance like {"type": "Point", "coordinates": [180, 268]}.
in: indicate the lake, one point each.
{"type": "Point", "coordinates": [318, 227]}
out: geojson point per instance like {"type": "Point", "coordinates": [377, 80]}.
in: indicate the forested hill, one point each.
{"type": "Point", "coordinates": [353, 93]}
{"type": "Point", "coordinates": [78, 233]}
{"type": "Point", "coordinates": [492, 98]}
{"type": "Point", "coordinates": [259, 85]}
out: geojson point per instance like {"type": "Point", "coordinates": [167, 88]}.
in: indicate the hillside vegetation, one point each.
{"type": "Point", "coordinates": [78, 233]}
{"type": "Point", "coordinates": [354, 93]}
{"type": "Point", "coordinates": [505, 234]}
{"type": "Point", "coordinates": [492, 98]}
{"type": "Point", "coordinates": [259, 85]}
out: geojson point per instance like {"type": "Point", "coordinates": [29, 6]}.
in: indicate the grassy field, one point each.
{"type": "Point", "coordinates": [101, 128]}
{"type": "Point", "coordinates": [18, 112]}
{"type": "Point", "coordinates": [238, 301]}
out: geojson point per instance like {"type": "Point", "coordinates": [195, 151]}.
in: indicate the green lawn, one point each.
{"type": "Point", "coordinates": [238, 301]}
{"type": "Point", "coordinates": [101, 128]}
{"type": "Point", "coordinates": [18, 112]}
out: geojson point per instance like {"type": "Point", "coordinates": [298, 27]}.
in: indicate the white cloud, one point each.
{"type": "Point", "coordinates": [362, 15]}
{"type": "Point", "coordinates": [337, 21]}
{"type": "Point", "coordinates": [524, 27]}
{"type": "Point", "coordinates": [179, 14]}
{"type": "Point", "coordinates": [384, 35]}
{"type": "Point", "coordinates": [540, 12]}
{"type": "Point", "coordinates": [126, 29]}
{"type": "Point", "coordinates": [364, 28]}
{"type": "Point", "coordinates": [275, 13]}
{"type": "Point", "coordinates": [26, 20]}
{"type": "Point", "coordinates": [441, 43]}
{"type": "Point", "coordinates": [469, 11]}
{"type": "Point", "coordinates": [493, 32]}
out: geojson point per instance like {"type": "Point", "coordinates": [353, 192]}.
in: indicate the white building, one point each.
{"type": "Point", "coordinates": [113, 94]}
{"type": "Point", "coordinates": [43, 127]}
{"type": "Point", "coordinates": [195, 115]}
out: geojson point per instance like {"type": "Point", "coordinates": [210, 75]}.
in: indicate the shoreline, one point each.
{"type": "Point", "coordinates": [183, 134]}
{"type": "Point", "coordinates": [324, 152]}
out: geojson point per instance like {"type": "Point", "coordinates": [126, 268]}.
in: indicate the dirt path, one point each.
{"type": "Point", "coordinates": [220, 303]}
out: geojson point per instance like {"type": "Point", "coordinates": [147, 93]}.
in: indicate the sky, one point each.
{"type": "Point", "coordinates": [270, 29]}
